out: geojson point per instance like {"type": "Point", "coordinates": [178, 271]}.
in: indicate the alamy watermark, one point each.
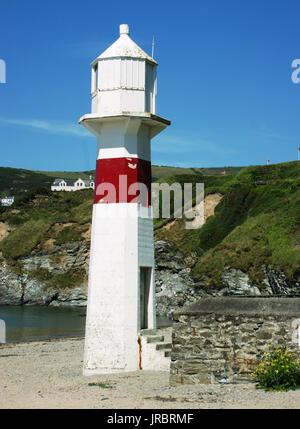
{"type": "Point", "coordinates": [162, 201]}
{"type": "Point", "coordinates": [2, 71]}
{"type": "Point", "coordinates": [296, 71]}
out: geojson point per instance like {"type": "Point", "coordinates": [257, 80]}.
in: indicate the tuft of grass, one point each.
{"type": "Point", "coordinates": [102, 385]}
{"type": "Point", "coordinates": [83, 212]}
{"type": "Point", "coordinates": [41, 274]}
{"type": "Point", "coordinates": [68, 234]}
{"type": "Point", "coordinates": [69, 280]}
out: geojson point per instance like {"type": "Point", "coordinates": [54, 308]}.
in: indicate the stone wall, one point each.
{"type": "Point", "coordinates": [221, 339]}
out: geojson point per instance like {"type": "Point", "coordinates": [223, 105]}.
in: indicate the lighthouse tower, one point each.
{"type": "Point", "coordinates": [121, 295]}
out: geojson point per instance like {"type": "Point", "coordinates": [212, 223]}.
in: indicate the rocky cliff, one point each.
{"type": "Point", "coordinates": [40, 279]}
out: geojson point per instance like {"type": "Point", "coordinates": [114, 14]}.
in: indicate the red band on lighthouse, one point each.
{"type": "Point", "coordinates": [123, 180]}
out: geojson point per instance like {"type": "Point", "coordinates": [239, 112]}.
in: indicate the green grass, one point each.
{"type": "Point", "coordinates": [82, 213]}
{"type": "Point", "coordinates": [161, 171]}
{"type": "Point", "coordinates": [24, 239]}
{"type": "Point", "coordinates": [69, 280]}
{"type": "Point", "coordinates": [68, 235]}
{"type": "Point", "coordinates": [256, 224]}
{"type": "Point", "coordinates": [15, 181]}
{"type": "Point", "coordinates": [35, 215]}
{"type": "Point", "coordinates": [69, 175]}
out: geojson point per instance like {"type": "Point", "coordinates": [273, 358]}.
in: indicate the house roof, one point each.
{"type": "Point", "coordinates": [71, 182]}
{"type": "Point", "coordinates": [58, 181]}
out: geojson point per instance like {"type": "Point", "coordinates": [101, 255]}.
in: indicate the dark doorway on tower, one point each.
{"type": "Point", "coordinates": [145, 281]}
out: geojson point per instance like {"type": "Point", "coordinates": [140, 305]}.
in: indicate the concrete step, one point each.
{"type": "Point", "coordinates": [168, 353]}
{"type": "Point", "coordinates": [163, 346]}
{"type": "Point", "coordinates": [145, 332]}
{"type": "Point", "coordinates": [155, 339]}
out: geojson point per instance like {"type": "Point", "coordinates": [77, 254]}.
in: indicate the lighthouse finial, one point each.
{"type": "Point", "coordinates": [124, 29]}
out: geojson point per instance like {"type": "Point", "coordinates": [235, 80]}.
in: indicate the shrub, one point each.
{"type": "Point", "coordinates": [69, 280]}
{"type": "Point", "coordinates": [41, 274]}
{"type": "Point", "coordinates": [68, 235]}
{"type": "Point", "coordinates": [16, 219]}
{"type": "Point", "coordinates": [279, 369]}
{"type": "Point", "coordinates": [83, 212]}
{"type": "Point", "coordinates": [102, 385]}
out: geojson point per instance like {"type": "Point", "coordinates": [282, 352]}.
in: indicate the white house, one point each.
{"type": "Point", "coordinates": [72, 185]}
{"type": "Point", "coordinates": [7, 201]}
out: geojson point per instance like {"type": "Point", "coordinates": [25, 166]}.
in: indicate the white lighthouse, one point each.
{"type": "Point", "coordinates": [121, 295]}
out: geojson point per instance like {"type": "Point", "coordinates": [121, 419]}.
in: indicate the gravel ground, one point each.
{"type": "Point", "coordinates": [49, 375]}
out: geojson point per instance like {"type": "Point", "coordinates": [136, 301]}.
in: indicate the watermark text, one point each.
{"type": "Point", "coordinates": [2, 71]}
{"type": "Point", "coordinates": [296, 71]}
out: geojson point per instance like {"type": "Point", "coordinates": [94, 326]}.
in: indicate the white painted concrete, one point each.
{"type": "Point", "coordinates": [125, 137]}
{"type": "Point", "coordinates": [112, 327]}
{"type": "Point", "coordinates": [152, 359]}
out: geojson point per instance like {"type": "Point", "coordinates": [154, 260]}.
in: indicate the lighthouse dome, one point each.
{"type": "Point", "coordinates": [124, 78]}
{"type": "Point", "coordinates": [124, 46]}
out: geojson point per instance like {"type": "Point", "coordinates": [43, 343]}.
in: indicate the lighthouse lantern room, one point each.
{"type": "Point", "coordinates": [121, 294]}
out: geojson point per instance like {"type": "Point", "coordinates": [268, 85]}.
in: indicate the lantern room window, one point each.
{"type": "Point", "coordinates": [94, 78]}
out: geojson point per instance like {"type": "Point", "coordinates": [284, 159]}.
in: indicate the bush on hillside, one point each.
{"type": "Point", "coordinates": [69, 280]}
{"type": "Point", "coordinates": [69, 234]}
{"type": "Point", "coordinates": [24, 239]}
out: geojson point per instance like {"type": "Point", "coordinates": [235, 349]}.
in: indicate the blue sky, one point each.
{"type": "Point", "coordinates": [224, 79]}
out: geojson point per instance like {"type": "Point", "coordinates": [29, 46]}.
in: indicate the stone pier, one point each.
{"type": "Point", "coordinates": [219, 340]}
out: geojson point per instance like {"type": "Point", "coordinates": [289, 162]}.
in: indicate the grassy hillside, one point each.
{"type": "Point", "coordinates": [71, 175]}
{"type": "Point", "coordinates": [14, 181]}
{"type": "Point", "coordinates": [37, 217]}
{"type": "Point", "coordinates": [37, 213]}
{"type": "Point", "coordinates": [159, 171]}
{"type": "Point", "coordinates": [257, 224]}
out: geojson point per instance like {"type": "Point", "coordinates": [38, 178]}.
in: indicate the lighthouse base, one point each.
{"type": "Point", "coordinates": [121, 298]}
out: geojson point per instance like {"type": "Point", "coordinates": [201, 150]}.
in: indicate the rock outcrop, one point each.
{"type": "Point", "coordinates": [28, 282]}
{"type": "Point", "coordinates": [42, 279]}
{"type": "Point", "coordinates": [174, 285]}
{"type": "Point", "coordinates": [11, 287]}
{"type": "Point", "coordinates": [236, 282]}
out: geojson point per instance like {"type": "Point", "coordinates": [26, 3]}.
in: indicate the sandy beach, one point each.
{"type": "Point", "coordinates": [49, 375]}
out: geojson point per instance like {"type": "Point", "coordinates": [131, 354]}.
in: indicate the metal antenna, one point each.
{"type": "Point", "coordinates": [153, 45]}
